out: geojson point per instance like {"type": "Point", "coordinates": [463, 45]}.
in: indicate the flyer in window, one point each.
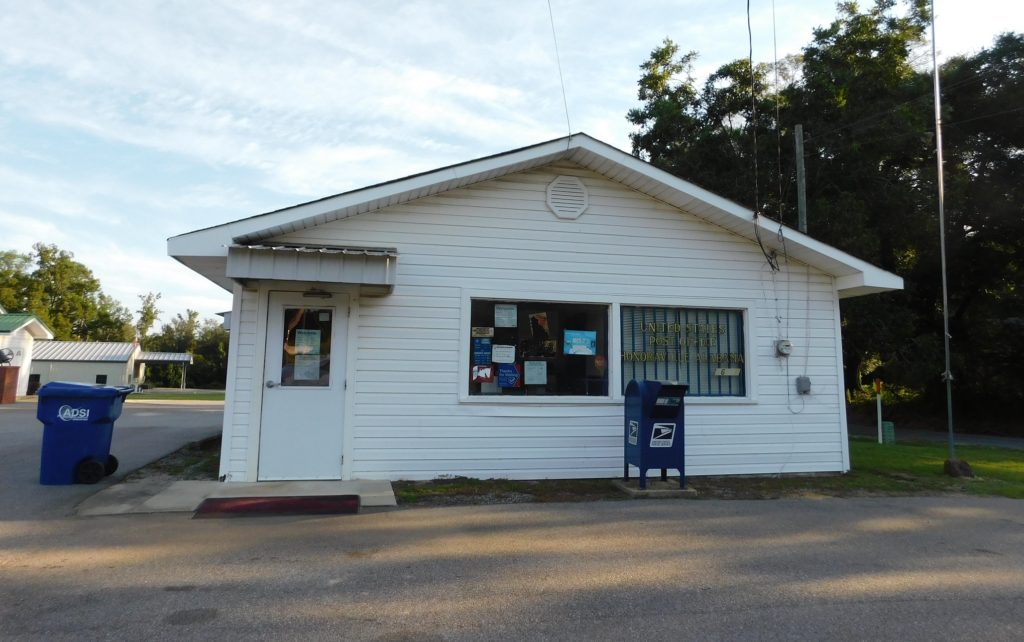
{"type": "Point", "coordinates": [483, 374]}
{"type": "Point", "coordinates": [506, 315]}
{"type": "Point", "coordinates": [539, 325]}
{"type": "Point", "coordinates": [503, 354]}
{"type": "Point", "coordinates": [307, 367]}
{"type": "Point", "coordinates": [581, 342]}
{"type": "Point", "coordinates": [480, 331]}
{"type": "Point", "coordinates": [481, 351]}
{"type": "Point", "coordinates": [509, 375]}
{"type": "Point", "coordinates": [307, 342]}
{"type": "Point", "coordinates": [535, 373]}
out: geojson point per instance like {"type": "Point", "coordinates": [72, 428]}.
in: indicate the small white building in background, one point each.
{"type": "Point", "coordinates": [19, 332]}
{"type": "Point", "coordinates": [96, 362]}
{"type": "Point", "coordinates": [483, 320]}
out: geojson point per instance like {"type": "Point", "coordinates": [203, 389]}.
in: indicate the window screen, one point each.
{"type": "Point", "coordinates": [702, 347]}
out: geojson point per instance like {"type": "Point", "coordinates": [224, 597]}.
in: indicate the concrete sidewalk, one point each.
{"type": "Point", "coordinates": [161, 496]}
{"type": "Point", "coordinates": [143, 433]}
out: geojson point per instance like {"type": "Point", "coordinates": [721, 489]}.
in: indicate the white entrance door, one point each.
{"type": "Point", "coordinates": [303, 415]}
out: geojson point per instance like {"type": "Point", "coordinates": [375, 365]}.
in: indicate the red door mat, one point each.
{"type": "Point", "coordinates": [268, 506]}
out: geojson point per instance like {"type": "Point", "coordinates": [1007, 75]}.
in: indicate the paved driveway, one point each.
{"type": "Point", "coordinates": [947, 568]}
{"type": "Point", "coordinates": [144, 433]}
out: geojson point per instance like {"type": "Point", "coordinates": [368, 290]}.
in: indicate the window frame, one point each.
{"type": "Point", "coordinates": [748, 308]}
{"type": "Point", "coordinates": [611, 341]}
{"type": "Point", "coordinates": [743, 337]}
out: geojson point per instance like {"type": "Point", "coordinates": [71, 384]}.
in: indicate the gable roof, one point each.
{"type": "Point", "coordinates": [11, 322]}
{"type": "Point", "coordinates": [205, 250]}
{"type": "Point", "coordinates": [105, 351]}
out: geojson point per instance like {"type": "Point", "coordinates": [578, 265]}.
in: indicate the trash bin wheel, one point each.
{"type": "Point", "coordinates": [111, 466]}
{"type": "Point", "coordinates": [89, 471]}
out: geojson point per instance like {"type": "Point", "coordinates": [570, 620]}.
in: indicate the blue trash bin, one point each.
{"type": "Point", "coordinates": [78, 423]}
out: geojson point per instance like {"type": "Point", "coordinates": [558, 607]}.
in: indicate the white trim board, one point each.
{"type": "Point", "coordinates": [206, 250]}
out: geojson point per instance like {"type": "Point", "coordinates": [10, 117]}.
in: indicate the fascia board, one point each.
{"type": "Point", "coordinates": [214, 241]}
{"type": "Point", "coordinates": [716, 209]}
{"type": "Point", "coordinates": [734, 217]}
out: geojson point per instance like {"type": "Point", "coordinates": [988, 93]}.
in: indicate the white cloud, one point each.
{"type": "Point", "coordinates": [251, 105]}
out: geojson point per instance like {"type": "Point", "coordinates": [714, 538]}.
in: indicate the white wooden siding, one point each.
{"type": "Point", "coordinates": [627, 249]}
{"type": "Point", "coordinates": [241, 408]}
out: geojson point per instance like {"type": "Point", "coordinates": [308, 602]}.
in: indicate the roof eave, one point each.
{"type": "Point", "coordinates": [196, 249]}
{"type": "Point", "coordinates": [36, 328]}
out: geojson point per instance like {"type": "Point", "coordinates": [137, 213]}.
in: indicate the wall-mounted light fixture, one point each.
{"type": "Point", "coordinates": [317, 293]}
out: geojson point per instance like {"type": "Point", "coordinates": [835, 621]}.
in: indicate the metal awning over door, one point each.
{"type": "Point", "coordinates": [371, 268]}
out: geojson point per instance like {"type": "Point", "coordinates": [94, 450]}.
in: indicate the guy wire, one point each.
{"type": "Point", "coordinates": [558, 61]}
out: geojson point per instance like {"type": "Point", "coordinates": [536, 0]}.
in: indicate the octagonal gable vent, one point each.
{"type": "Point", "coordinates": [567, 197]}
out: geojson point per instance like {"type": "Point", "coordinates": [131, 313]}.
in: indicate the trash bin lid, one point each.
{"type": "Point", "coordinates": [81, 390]}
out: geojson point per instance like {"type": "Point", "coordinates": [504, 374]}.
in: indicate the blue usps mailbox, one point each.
{"type": "Point", "coordinates": [654, 428]}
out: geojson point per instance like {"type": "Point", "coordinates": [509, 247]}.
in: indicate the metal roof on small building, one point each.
{"type": "Point", "coordinates": [108, 351]}
{"type": "Point", "coordinates": [164, 357]}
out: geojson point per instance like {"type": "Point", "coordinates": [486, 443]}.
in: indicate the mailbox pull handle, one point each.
{"type": "Point", "coordinates": [272, 384]}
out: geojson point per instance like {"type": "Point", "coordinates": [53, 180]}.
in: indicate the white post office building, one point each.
{"type": "Point", "coordinates": [483, 319]}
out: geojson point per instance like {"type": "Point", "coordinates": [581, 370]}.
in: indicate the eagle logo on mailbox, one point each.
{"type": "Point", "coordinates": [663, 435]}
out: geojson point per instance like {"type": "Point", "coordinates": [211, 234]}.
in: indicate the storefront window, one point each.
{"type": "Point", "coordinates": [696, 346]}
{"type": "Point", "coordinates": [527, 348]}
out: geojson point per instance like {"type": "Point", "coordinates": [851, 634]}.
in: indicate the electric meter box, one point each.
{"type": "Point", "coordinates": [654, 428]}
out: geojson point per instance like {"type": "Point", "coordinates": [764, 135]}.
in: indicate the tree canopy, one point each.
{"type": "Point", "coordinates": [67, 297]}
{"type": "Point", "coordinates": [862, 91]}
{"type": "Point", "coordinates": [63, 293]}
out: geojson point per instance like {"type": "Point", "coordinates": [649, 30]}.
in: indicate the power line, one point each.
{"type": "Point", "coordinates": [558, 60]}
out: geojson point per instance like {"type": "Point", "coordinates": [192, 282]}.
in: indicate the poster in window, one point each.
{"type": "Point", "coordinates": [307, 367]}
{"type": "Point", "coordinates": [535, 373]}
{"type": "Point", "coordinates": [506, 315]}
{"type": "Point", "coordinates": [503, 354]}
{"type": "Point", "coordinates": [483, 374]}
{"type": "Point", "coordinates": [480, 331]}
{"type": "Point", "coordinates": [509, 375]}
{"type": "Point", "coordinates": [481, 351]}
{"type": "Point", "coordinates": [307, 342]}
{"type": "Point", "coordinates": [581, 342]}
{"type": "Point", "coordinates": [539, 326]}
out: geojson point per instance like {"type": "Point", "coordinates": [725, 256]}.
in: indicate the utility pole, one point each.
{"type": "Point", "coordinates": [801, 181]}
{"type": "Point", "coordinates": [947, 374]}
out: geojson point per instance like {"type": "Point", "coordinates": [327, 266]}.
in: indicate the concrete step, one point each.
{"type": "Point", "coordinates": [151, 496]}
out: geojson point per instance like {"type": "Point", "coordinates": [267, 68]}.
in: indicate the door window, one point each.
{"type": "Point", "coordinates": [306, 346]}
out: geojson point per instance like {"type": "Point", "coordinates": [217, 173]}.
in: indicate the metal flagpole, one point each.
{"type": "Point", "coordinates": [947, 375]}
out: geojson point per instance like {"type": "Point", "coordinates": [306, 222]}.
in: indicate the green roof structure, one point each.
{"type": "Point", "coordinates": [13, 321]}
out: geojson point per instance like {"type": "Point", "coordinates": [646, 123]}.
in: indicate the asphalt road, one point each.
{"type": "Point", "coordinates": [144, 433]}
{"type": "Point", "coordinates": [946, 568]}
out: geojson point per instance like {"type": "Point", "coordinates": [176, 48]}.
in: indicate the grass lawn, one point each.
{"type": "Point", "coordinates": [878, 470]}
{"type": "Point", "coordinates": [887, 469]}
{"type": "Point", "coordinates": [178, 395]}
{"type": "Point", "coordinates": [918, 466]}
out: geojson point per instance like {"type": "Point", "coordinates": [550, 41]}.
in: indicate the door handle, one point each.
{"type": "Point", "coordinates": [272, 384]}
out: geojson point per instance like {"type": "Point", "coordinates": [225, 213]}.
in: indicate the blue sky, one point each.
{"type": "Point", "coordinates": [124, 123]}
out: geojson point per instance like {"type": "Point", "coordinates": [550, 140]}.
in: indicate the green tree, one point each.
{"type": "Point", "coordinates": [206, 341]}
{"type": "Point", "coordinates": [111, 321]}
{"type": "Point", "coordinates": [65, 295]}
{"type": "Point", "coordinates": [14, 267]}
{"type": "Point", "coordinates": [864, 99]}
{"type": "Point", "coordinates": [148, 314]}
{"type": "Point", "coordinates": [984, 139]}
